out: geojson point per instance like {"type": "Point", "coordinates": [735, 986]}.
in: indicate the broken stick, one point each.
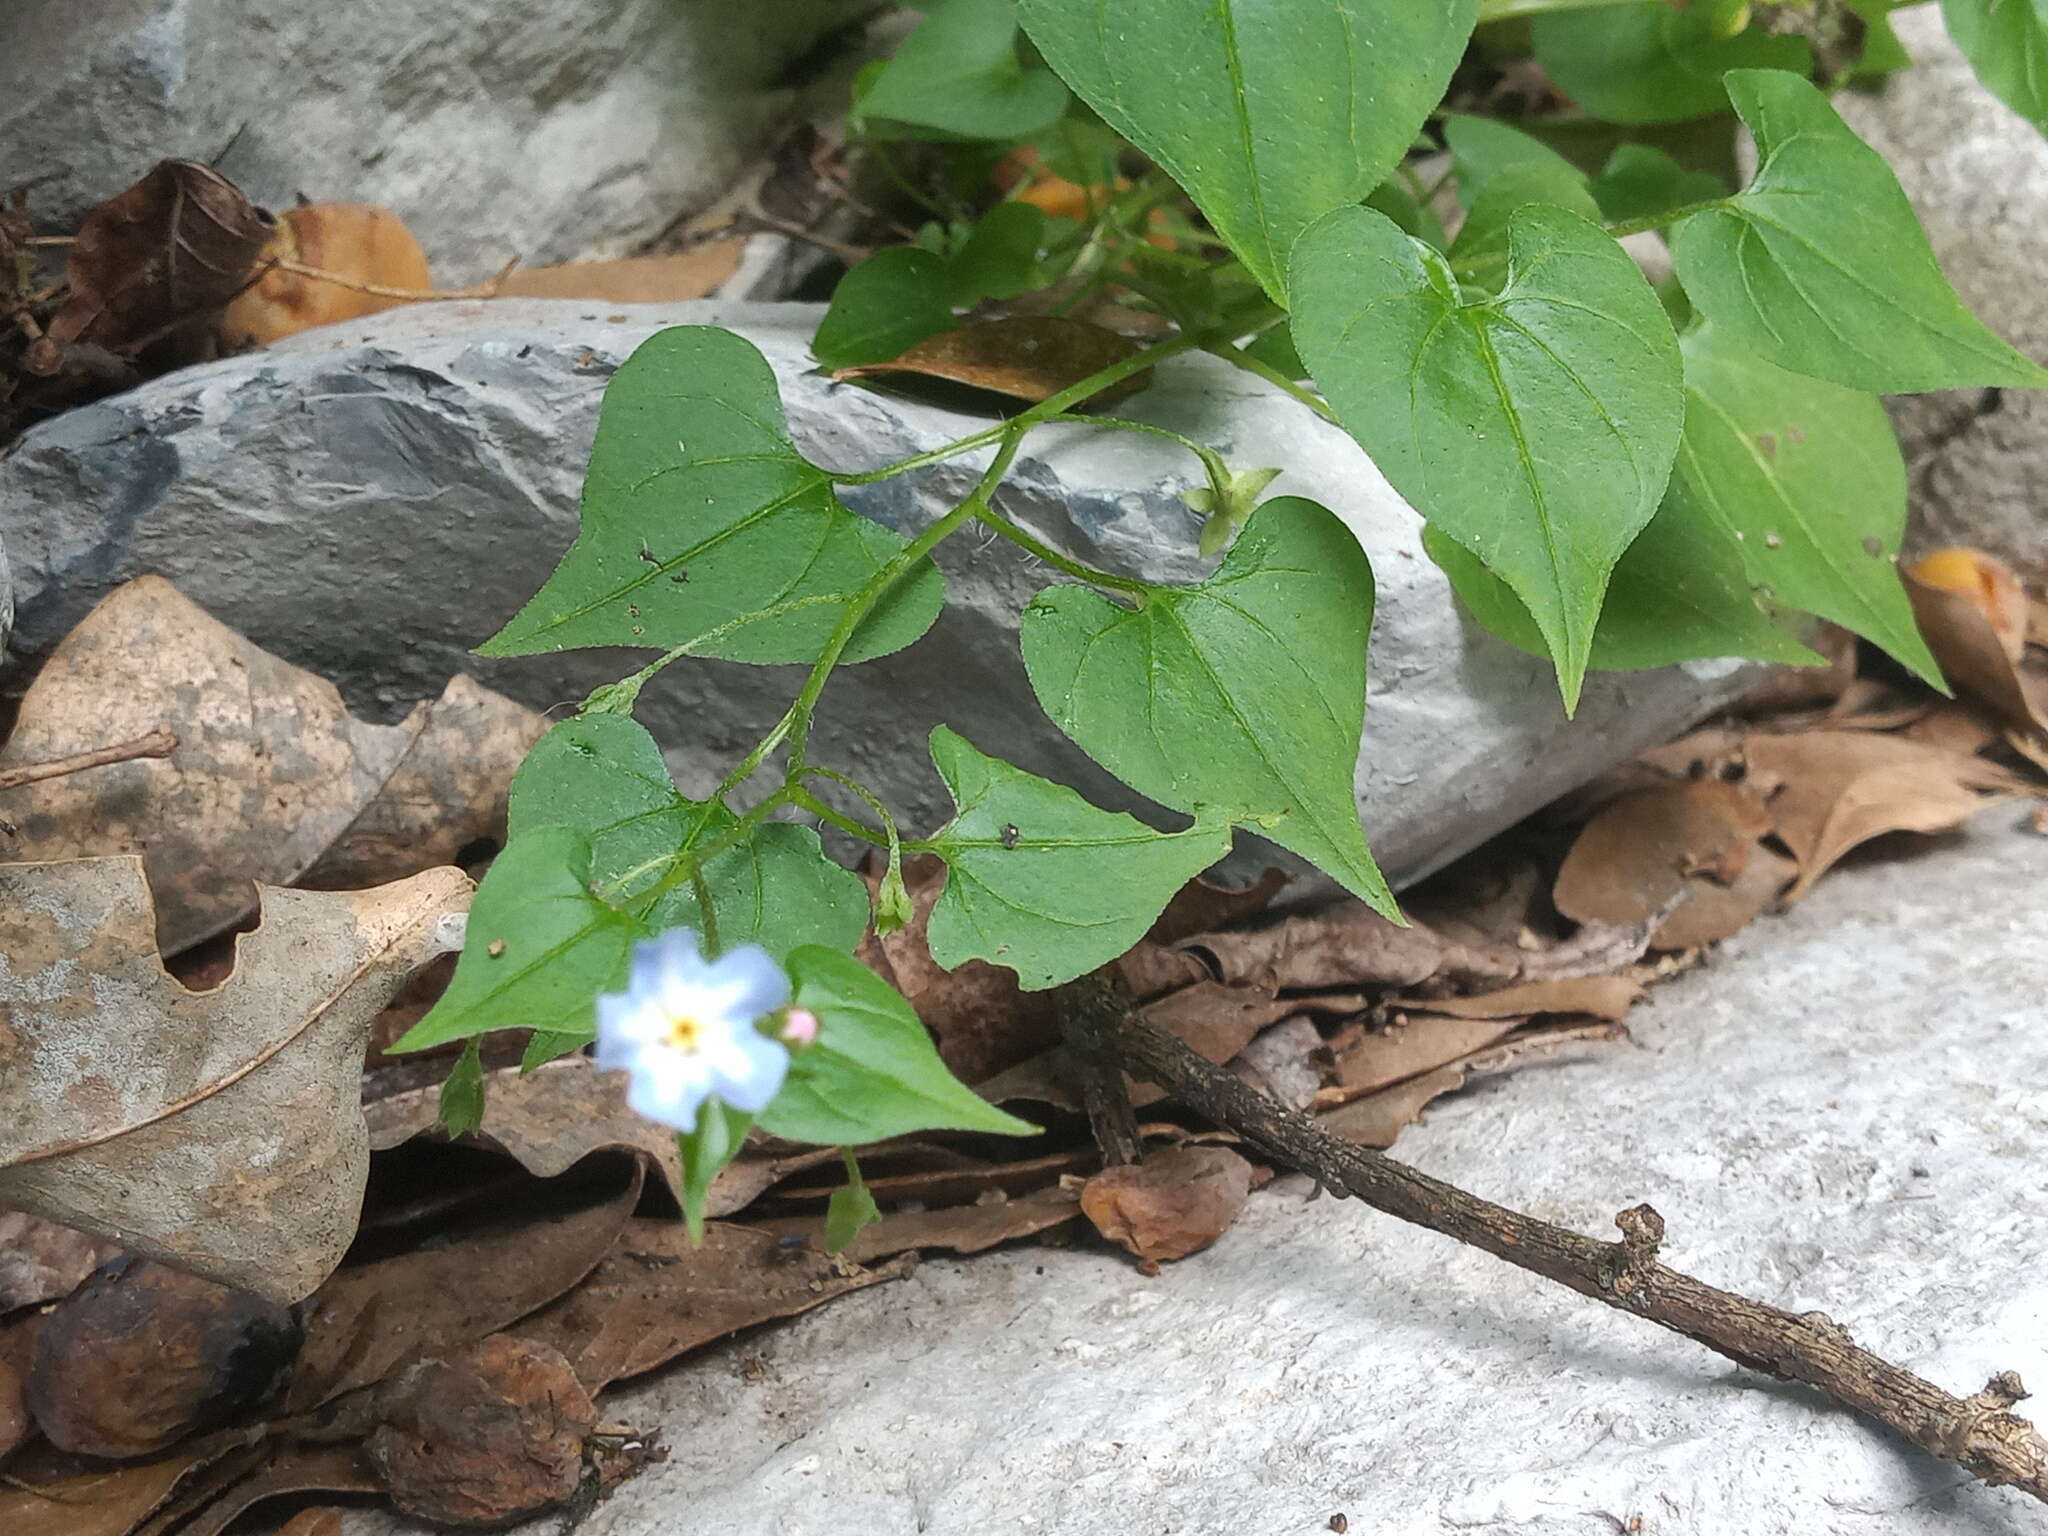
{"type": "Point", "coordinates": [1979, 1433]}
{"type": "Point", "coordinates": [161, 742]}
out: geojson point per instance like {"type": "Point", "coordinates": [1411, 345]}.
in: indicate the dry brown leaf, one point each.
{"type": "Point", "coordinates": [445, 794]}
{"type": "Point", "coordinates": [1378, 1059]}
{"type": "Point", "coordinates": [1378, 1119]}
{"type": "Point", "coordinates": [1024, 357]}
{"type": "Point", "coordinates": [1980, 650]}
{"type": "Point", "coordinates": [290, 1469]}
{"type": "Point", "coordinates": [17, 1351]}
{"type": "Point", "coordinates": [359, 243]}
{"type": "Point", "coordinates": [42, 1260]}
{"type": "Point", "coordinates": [1713, 912]}
{"type": "Point", "coordinates": [220, 1131]}
{"type": "Point", "coordinates": [690, 274]}
{"type": "Point", "coordinates": [108, 1503]}
{"type": "Point", "coordinates": [170, 250]}
{"type": "Point", "coordinates": [983, 1021]}
{"type": "Point", "coordinates": [1201, 906]}
{"type": "Point", "coordinates": [1990, 587]}
{"type": "Point", "coordinates": [955, 1229]}
{"type": "Point", "coordinates": [1605, 997]}
{"type": "Point", "coordinates": [269, 773]}
{"type": "Point", "coordinates": [1352, 946]}
{"type": "Point", "coordinates": [368, 1317]}
{"type": "Point", "coordinates": [1176, 1202]}
{"type": "Point", "coordinates": [655, 1297]}
{"type": "Point", "coordinates": [1150, 970]}
{"type": "Point", "coordinates": [1954, 725]}
{"type": "Point", "coordinates": [1830, 790]}
{"type": "Point", "coordinates": [1644, 848]}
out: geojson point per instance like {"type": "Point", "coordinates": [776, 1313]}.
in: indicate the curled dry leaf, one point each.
{"type": "Point", "coordinates": [1176, 1202]}
{"type": "Point", "coordinates": [171, 250]}
{"type": "Point", "coordinates": [1713, 912]}
{"type": "Point", "coordinates": [144, 1356]}
{"type": "Point", "coordinates": [482, 1433]}
{"type": "Point", "coordinates": [655, 1297]}
{"type": "Point", "coordinates": [1351, 946]}
{"type": "Point", "coordinates": [368, 1317]}
{"type": "Point", "coordinates": [1201, 906]}
{"type": "Point", "coordinates": [1986, 583]}
{"type": "Point", "coordinates": [1378, 1059]}
{"type": "Point", "coordinates": [1645, 847]}
{"type": "Point", "coordinates": [271, 777]}
{"type": "Point", "coordinates": [101, 1502]}
{"type": "Point", "coordinates": [282, 1471]}
{"type": "Point", "coordinates": [1978, 634]}
{"type": "Point", "coordinates": [1378, 1119]}
{"type": "Point", "coordinates": [1604, 997]}
{"type": "Point", "coordinates": [955, 1229]}
{"type": "Point", "coordinates": [361, 244]}
{"type": "Point", "coordinates": [220, 1131]}
{"type": "Point", "coordinates": [1830, 790]}
{"type": "Point", "coordinates": [552, 1118]}
{"type": "Point", "coordinates": [1026, 357]}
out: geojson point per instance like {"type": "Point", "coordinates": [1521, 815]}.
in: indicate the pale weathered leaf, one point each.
{"type": "Point", "coordinates": [220, 1131]}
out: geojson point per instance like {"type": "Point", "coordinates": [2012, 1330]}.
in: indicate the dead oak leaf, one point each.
{"type": "Point", "coordinates": [272, 779]}
{"type": "Point", "coordinates": [220, 1131]}
{"type": "Point", "coordinates": [171, 249]}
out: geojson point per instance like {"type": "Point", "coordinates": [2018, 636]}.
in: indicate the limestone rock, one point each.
{"type": "Point", "coordinates": [1978, 175]}
{"type": "Point", "coordinates": [372, 500]}
{"type": "Point", "coordinates": [496, 127]}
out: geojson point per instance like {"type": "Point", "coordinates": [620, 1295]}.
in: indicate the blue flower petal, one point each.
{"type": "Point", "coordinates": [669, 1089]}
{"type": "Point", "coordinates": [751, 1081]}
{"type": "Point", "coordinates": [753, 983]}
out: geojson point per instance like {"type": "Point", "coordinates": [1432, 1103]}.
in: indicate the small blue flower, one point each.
{"type": "Point", "coordinates": [684, 1028]}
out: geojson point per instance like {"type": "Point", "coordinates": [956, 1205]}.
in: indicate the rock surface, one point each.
{"type": "Point", "coordinates": [372, 500]}
{"type": "Point", "coordinates": [1978, 174]}
{"type": "Point", "coordinates": [498, 128]}
{"type": "Point", "coordinates": [1844, 1111]}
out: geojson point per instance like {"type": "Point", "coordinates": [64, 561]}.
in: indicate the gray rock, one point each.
{"type": "Point", "coordinates": [1978, 174]}
{"type": "Point", "coordinates": [1844, 1112]}
{"type": "Point", "coordinates": [496, 127]}
{"type": "Point", "coordinates": [372, 500]}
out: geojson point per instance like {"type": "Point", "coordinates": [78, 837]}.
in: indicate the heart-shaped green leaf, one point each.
{"type": "Point", "coordinates": [1679, 592]}
{"type": "Point", "coordinates": [1820, 266]}
{"type": "Point", "coordinates": [1269, 112]}
{"type": "Point", "coordinates": [1483, 147]}
{"type": "Point", "coordinates": [539, 947]}
{"type": "Point", "coordinates": [1239, 697]}
{"type": "Point", "coordinates": [1640, 181]}
{"type": "Point", "coordinates": [704, 530]}
{"type": "Point", "coordinates": [604, 775]}
{"type": "Point", "coordinates": [2006, 42]}
{"type": "Point", "coordinates": [873, 1072]}
{"type": "Point", "coordinates": [1479, 256]}
{"type": "Point", "coordinates": [1807, 477]}
{"type": "Point", "coordinates": [1535, 427]}
{"type": "Point", "coordinates": [1653, 63]}
{"type": "Point", "coordinates": [884, 307]}
{"type": "Point", "coordinates": [959, 73]}
{"type": "Point", "coordinates": [1040, 880]}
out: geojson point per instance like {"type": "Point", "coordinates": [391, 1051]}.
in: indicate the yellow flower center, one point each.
{"type": "Point", "coordinates": [684, 1033]}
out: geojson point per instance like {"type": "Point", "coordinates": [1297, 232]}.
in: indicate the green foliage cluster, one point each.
{"type": "Point", "coordinates": [1614, 473]}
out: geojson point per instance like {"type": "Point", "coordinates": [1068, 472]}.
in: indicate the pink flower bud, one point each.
{"type": "Point", "coordinates": [799, 1028]}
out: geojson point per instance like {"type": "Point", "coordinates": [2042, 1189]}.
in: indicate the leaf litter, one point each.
{"type": "Point", "coordinates": [547, 1238]}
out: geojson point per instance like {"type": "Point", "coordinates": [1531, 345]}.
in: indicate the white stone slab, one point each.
{"type": "Point", "coordinates": [1847, 1109]}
